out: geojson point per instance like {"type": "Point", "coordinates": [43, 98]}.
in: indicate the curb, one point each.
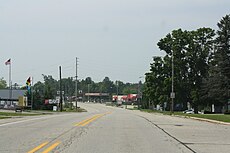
{"type": "Point", "coordinates": [204, 120]}
{"type": "Point", "coordinates": [210, 121]}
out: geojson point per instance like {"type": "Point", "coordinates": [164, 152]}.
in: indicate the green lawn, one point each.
{"type": "Point", "coordinates": [18, 114]}
{"type": "Point", "coordinates": [4, 117]}
{"type": "Point", "coordinates": [74, 110]}
{"type": "Point", "coordinates": [217, 117]}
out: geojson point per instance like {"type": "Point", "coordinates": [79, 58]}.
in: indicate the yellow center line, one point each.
{"type": "Point", "coordinates": [51, 147]}
{"type": "Point", "coordinates": [38, 147]}
{"type": "Point", "coordinates": [89, 120]}
{"type": "Point", "coordinates": [82, 122]}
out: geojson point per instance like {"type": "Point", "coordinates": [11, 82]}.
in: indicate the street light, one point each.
{"type": "Point", "coordinates": [172, 95]}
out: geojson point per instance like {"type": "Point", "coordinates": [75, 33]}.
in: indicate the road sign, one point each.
{"type": "Point", "coordinates": [172, 95]}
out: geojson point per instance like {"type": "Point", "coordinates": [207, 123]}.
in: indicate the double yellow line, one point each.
{"type": "Point", "coordinates": [91, 119]}
{"type": "Point", "coordinates": [50, 148]}
{"type": "Point", "coordinates": [54, 145]}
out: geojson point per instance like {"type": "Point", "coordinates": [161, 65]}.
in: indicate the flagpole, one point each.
{"type": "Point", "coordinates": [10, 88]}
{"type": "Point", "coordinates": [32, 80]}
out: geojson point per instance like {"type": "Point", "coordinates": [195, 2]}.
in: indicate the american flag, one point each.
{"type": "Point", "coordinates": [8, 62]}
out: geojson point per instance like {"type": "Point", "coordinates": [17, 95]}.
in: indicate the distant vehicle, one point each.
{"type": "Point", "coordinates": [189, 111]}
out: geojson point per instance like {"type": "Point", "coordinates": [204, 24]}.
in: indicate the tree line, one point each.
{"type": "Point", "coordinates": [48, 89]}
{"type": "Point", "coordinates": [201, 60]}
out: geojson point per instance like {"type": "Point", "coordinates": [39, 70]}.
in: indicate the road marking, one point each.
{"type": "Point", "coordinates": [33, 119]}
{"type": "Point", "coordinates": [84, 121]}
{"type": "Point", "coordinates": [51, 147]}
{"type": "Point", "coordinates": [38, 147]}
{"type": "Point", "coordinates": [43, 145]}
{"type": "Point", "coordinates": [89, 120]}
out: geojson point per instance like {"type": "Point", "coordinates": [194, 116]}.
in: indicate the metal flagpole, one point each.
{"type": "Point", "coordinates": [10, 84]}
{"type": "Point", "coordinates": [76, 82]}
{"type": "Point", "coordinates": [32, 97]}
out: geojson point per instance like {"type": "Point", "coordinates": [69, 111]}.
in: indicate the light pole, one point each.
{"type": "Point", "coordinates": [172, 95]}
{"type": "Point", "coordinates": [76, 82]}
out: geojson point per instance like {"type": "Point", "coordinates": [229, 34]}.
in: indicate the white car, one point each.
{"type": "Point", "coordinates": [189, 111]}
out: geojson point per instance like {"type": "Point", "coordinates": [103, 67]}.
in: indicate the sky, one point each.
{"type": "Point", "coordinates": [111, 38]}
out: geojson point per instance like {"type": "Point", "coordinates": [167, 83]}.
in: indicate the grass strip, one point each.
{"type": "Point", "coordinates": [19, 114]}
{"type": "Point", "coordinates": [216, 117]}
{"type": "Point", "coordinates": [4, 117]}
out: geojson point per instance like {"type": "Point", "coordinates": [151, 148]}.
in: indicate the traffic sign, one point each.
{"type": "Point", "coordinates": [172, 95]}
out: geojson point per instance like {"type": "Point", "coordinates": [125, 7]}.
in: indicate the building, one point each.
{"type": "Point", "coordinates": [96, 97]}
{"type": "Point", "coordinates": [10, 98]}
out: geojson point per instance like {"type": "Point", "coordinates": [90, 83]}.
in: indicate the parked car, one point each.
{"type": "Point", "coordinates": [189, 111]}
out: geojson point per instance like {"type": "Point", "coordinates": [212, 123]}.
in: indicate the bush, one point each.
{"type": "Point", "coordinates": [208, 112]}
{"type": "Point", "coordinates": [227, 113]}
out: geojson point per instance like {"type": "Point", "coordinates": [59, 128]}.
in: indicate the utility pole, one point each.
{"type": "Point", "coordinates": [76, 82]}
{"type": "Point", "coordinates": [88, 92]}
{"type": "Point", "coordinates": [138, 95]}
{"type": "Point", "coordinates": [117, 90]}
{"type": "Point", "coordinates": [60, 89]}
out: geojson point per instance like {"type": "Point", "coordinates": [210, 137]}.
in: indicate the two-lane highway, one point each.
{"type": "Point", "coordinates": [105, 129]}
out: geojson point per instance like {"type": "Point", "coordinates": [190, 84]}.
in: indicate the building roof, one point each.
{"type": "Point", "coordinates": [4, 93]}
{"type": "Point", "coordinates": [96, 94]}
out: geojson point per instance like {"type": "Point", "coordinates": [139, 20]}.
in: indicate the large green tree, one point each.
{"type": "Point", "coordinates": [217, 84]}
{"type": "Point", "coordinates": [176, 44]}
{"type": "Point", "coordinates": [191, 51]}
{"type": "Point", "coordinates": [198, 56]}
{"type": "Point", "coordinates": [156, 82]}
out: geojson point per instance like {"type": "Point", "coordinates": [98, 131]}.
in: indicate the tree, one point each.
{"type": "Point", "coordinates": [198, 56]}
{"type": "Point", "coordinates": [155, 87]}
{"type": "Point", "coordinates": [68, 86]}
{"type": "Point", "coordinates": [106, 85]}
{"type": "Point", "coordinates": [3, 84]}
{"type": "Point", "coordinates": [216, 86]}
{"type": "Point", "coordinates": [38, 95]}
{"type": "Point", "coordinates": [192, 52]}
{"type": "Point", "coordinates": [51, 87]}
{"type": "Point", "coordinates": [176, 44]}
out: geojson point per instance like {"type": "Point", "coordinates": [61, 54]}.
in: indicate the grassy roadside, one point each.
{"type": "Point", "coordinates": [216, 117]}
{"type": "Point", "coordinates": [8, 114]}
{"type": "Point", "coordinates": [4, 115]}
{"type": "Point", "coordinates": [74, 110]}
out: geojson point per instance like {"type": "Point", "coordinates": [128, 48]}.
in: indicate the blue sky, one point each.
{"type": "Point", "coordinates": [113, 38]}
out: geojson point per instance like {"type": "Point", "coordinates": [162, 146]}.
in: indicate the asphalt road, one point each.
{"type": "Point", "coordinates": [111, 130]}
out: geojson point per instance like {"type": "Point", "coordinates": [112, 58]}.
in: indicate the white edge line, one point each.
{"type": "Point", "coordinates": [22, 121]}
